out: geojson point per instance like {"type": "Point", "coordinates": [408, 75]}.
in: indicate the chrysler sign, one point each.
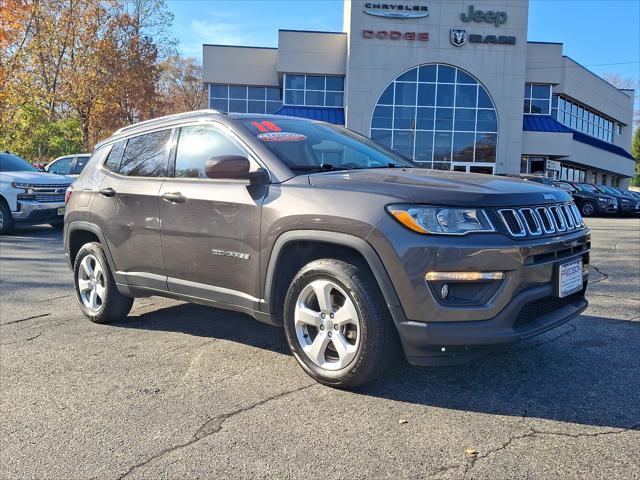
{"type": "Point", "coordinates": [396, 10]}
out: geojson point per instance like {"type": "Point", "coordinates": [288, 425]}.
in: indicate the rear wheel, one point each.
{"type": "Point", "coordinates": [96, 291]}
{"type": "Point", "coordinates": [6, 220]}
{"type": "Point", "coordinates": [337, 325]}
{"type": "Point", "coordinates": [588, 209]}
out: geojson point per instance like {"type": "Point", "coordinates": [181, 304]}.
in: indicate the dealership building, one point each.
{"type": "Point", "coordinates": [450, 84]}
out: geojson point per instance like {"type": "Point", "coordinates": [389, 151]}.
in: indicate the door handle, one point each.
{"type": "Point", "coordinates": [174, 197]}
{"type": "Point", "coordinates": [107, 192]}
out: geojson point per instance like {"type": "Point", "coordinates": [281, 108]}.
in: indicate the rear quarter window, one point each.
{"type": "Point", "coordinates": [115, 155]}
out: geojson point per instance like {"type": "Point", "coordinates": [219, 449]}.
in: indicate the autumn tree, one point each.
{"type": "Point", "coordinates": [181, 85]}
{"type": "Point", "coordinates": [75, 70]}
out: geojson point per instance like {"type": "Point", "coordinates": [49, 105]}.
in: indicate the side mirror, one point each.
{"type": "Point", "coordinates": [227, 166]}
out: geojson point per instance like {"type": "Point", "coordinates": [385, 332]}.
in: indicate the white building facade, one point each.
{"type": "Point", "coordinates": [450, 84]}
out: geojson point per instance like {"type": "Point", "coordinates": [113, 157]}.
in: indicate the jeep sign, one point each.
{"type": "Point", "coordinates": [478, 16]}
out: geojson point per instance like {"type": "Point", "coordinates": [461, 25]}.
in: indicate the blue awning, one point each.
{"type": "Point", "coordinates": [330, 115]}
{"type": "Point", "coordinates": [543, 123]}
{"type": "Point", "coordinates": [546, 123]}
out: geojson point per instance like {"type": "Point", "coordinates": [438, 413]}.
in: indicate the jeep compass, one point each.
{"type": "Point", "coordinates": [357, 252]}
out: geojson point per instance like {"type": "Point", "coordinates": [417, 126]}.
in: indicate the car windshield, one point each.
{"type": "Point", "coordinates": [13, 163]}
{"type": "Point", "coordinates": [309, 147]}
{"type": "Point", "coordinates": [583, 187]}
{"type": "Point", "coordinates": [608, 190]}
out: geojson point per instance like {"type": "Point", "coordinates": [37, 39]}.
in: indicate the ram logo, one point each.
{"type": "Point", "coordinates": [458, 37]}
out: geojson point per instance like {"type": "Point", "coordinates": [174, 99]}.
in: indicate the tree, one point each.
{"type": "Point", "coordinates": [78, 69]}
{"type": "Point", "coordinates": [627, 84]}
{"type": "Point", "coordinates": [181, 85]}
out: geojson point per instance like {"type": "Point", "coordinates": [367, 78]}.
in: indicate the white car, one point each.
{"type": "Point", "coordinates": [70, 165]}
{"type": "Point", "coordinates": [28, 196]}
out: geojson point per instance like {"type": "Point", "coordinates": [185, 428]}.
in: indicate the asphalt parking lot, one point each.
{"type": "Point", "coordinates": [184, 391]}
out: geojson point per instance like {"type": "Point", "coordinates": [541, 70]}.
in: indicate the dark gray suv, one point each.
{"type": "Point", "coordinates": [355, 250]}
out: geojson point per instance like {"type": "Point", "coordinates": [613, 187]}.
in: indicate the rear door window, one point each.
{"type": "Point", "coordinates": [147, 155]}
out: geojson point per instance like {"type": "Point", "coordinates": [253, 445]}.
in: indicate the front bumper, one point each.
{"type": "Point", "coordinates": [434, 330]}
{"type": "Point", "coordinates": [38, 212]}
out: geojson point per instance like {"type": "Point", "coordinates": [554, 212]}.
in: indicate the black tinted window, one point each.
{"type": "Point", "coordinates": [61, 167]}
{"type": "Point", "coordinates": [113, 160]}
{"type": "Point", "coordinates": [146, 155]}
{"type": "Point", "coordinates": [199, 143]}
{"type": "Point", "coordinates": [13, 163]}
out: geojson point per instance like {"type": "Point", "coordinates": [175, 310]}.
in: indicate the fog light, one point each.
{"type": "Point", "coordinates": [444, 292]}
{"type": "Point", "coordinates": [463, 276]}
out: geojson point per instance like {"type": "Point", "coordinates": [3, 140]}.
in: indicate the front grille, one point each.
{"type": "Point", "coordinates": [49, 198]}
{"type": "Point", "coordinates": [43, 193]}
{"type": "Point", "coordinates": [537, 309]}
{"type": "Point", "coordinates": [537, 221]}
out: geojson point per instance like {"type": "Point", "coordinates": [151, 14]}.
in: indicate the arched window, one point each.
{"type": "Point", "coordinates": [440, 116]}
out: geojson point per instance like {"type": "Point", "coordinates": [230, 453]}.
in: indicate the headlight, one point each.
{"type": "Point", "coordinates": [25, 187]}
{"type": "Point", "coordinates": [441, 220]}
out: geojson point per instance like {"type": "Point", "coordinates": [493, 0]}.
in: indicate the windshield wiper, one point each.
{"type": "Point", "coordinates": [325, 167]}
{"type": "Point", "coordinates": [388, 165]}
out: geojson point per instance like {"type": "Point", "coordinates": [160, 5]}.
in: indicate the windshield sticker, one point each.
{"type": "Point", "coordinates": [281, 137]}
{"type": "Point", "coordinates": [266, 126]}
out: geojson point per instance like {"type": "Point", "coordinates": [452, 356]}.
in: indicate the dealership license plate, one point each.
{"type": "Point", "coordinates": [61, 211]}
{"type": "Point", "coordinates": [570, 278]}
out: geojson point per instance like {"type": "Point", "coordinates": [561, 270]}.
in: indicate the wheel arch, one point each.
{"type": "Point", "coordinates": [294, 249]}
{"type": "Point", "coordinates": [79, 233]}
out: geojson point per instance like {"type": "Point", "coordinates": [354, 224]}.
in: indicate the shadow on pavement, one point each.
{"type": "Point", "coordinates": [590, 380]}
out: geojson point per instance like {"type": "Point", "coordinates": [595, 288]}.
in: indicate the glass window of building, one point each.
{"type": "Point", "coordinates": [440, 116]}
{"type": "Point", "coordinates": [314, 90]}
{"type": "Point", "coordinates": [581, 118]}
{"type": "Point", "coordinates": [537, 99]}
{"type": "Point", "coordinates": [244, 98]}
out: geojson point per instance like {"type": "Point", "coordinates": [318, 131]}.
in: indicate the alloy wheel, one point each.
{"type": "Point", "coordinates": [587, 209]}
{"type": "Point", "coordinates": [327, 325]}
{"type": "Point", "coordinates": [92, 283]}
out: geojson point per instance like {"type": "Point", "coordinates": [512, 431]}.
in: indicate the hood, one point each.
{"type": "Point", "coordinates": [36, 177]}
{"type": "Point", "coordinates": [438, 187]}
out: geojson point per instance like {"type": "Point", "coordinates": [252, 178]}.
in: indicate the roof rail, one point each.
{"type": "Point", "coordinates": [177, 116]}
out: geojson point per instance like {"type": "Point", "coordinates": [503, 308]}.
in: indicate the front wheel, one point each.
{"type": "Point", "coordinates": [96, 291]}
{"type": "Point", "coordinates": [588, 209]}
{"type": "Point", "coordinates": [6, 220]}
{"type": "Point", "coordinates": [337, 325]}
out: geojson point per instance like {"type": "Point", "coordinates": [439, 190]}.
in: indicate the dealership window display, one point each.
{"type": "Point", "coordinates": [314, 90]}
{"type": "Point", "coordinates": [579, 117]}
{"type": "Point", "coordinates": [440, 116]}
{"type": "Point", "coordinates": [537, 99]}
{"type": "Point", "coordinates": [244, 99]}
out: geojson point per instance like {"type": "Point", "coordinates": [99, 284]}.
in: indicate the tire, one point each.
{"type": "Point", "coordinates": [371, 338]}
{"type": "Point", "coordinates": [108, 304]}
{"type": "Point", "coordinates": [59, 225]}
{"type": "Point", "coordinates": [7, 224]}
{"type": "Point", "coordinates": [588, 209]}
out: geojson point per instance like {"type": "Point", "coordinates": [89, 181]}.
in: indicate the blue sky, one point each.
{"type": "Point", "coordinates": [603, 35]}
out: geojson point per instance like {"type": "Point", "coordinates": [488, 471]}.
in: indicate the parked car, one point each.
{"type": "Point", "coordinates": [28, 196]}
{"type": "Point", "coordinates": [69, 165]}
{"type": "Point", "coordinates": [307, 225]}
{"type": "Point", "coordinates": [588, 201]}
{"type": "Point", "coordinates": [628, 204]}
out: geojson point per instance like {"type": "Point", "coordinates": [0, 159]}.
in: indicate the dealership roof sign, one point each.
{"type": "Point", "coordinates": [396, 10]}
